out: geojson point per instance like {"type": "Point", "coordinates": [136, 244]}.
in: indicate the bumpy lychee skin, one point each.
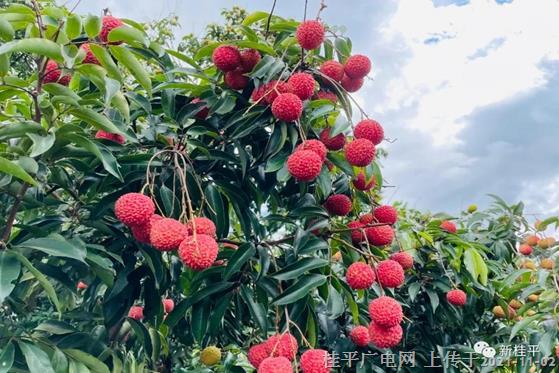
{"type": "Point", "coordinates": [369, 129]}
{"type": "Point", "coordinates": [525, 249]}
{"type": "Point", "coordinates": [390, 273]}
{"type": "Point", "coordinates": [210, 356]}
{"type": "Point", "coordinates": [273, 89]}
{"type": "Point", "coordinates": [203, 113]}
{"type": "Point", "coordinates": [448, 226]}
{"type": "Point", "coordinates": [136, 313]}
{"type": "Point", "coordinates": [275, 365]}
{"type": "Point", "coordinates": [456, 297]}
{"type": "Point", "coordinates": [53, 74]}
{"type": "Point", "coordinates": [357, 66]}
{"type": "Point", "coordinates": [360, 336]}
{"type": "Point", "coordinates": [332, 143]}
{"type": "Point", "coordinates": [338, 204]}
{"type": "Point", "coordinates": [168, 305]}
{"type": "Point", "coordinates": [249, 59]}
{"type": "Point", "coordinates": [203, 226]}
{"type": "Point", "coordinates": [235, 80]}
{"type": "Point", "coordinates": [380, 236]}
{"type": "Point", "coordinates": [257, 354]}
{"type": "Point", "coordinates": [357, 234]}
{"type": "Point", "coordinates": [310, 34]}
{"type": "Point", "coordinates": [316, 361]}
{"type": "Point", "coordinates": [287, 107]}
{"type": "Point", "coordinates": [304, 165]}
{"type": "Point", "coordinates": [327, 95]}
{"type": "Point", "coordinates": [360, 152]}
{"type": "Point", "coordinates": [284, 345]}
{"type": "Point", "coordinates": [167, 234]}
{"type": "Point", "coordinates": [405, 259]}
{"type": "Point", "coordinates": [142, 232]}
{"type": "Point", "coordinates": [361, 182]}
{"type": "Point", "coordinates": [114, 137]}
{"type": "Point", "coordinates": [367, 218]}
{"type": "Point", "coordinates": [198, 252]}
{"type": "Point", "coordinates": [302, 84]}
{"type": "Point", "coordinates": [386, 311]}
{"type": "Point", "coordinates": [134, 209]}
{"type": "Point", "coordinates": [532, 240]}
{"type": "Point", "coordinates": [333, 69]}
{"type": "Point", "coordinates": [89, 56]}
{"type": "Point", "coordinates": [385, 337]}
{"type": "Point", "coordinates": [360, 276]}
{"type": "Point", "coordinates": [226, 58]}
{"type": "Point", "coordinates": [314, 145]}
{"type": "Point", "coordinates": [352, 85]}
{"type": "Point", "coordinates": [386, 214]}
{"type": "Point", "coordinates": [109, 23]}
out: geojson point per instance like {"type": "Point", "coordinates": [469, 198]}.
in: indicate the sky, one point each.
{"type": "Point", "coordinates": [467, 90]}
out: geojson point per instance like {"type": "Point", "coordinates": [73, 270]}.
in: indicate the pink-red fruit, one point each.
{"type": "Point", "coordinates": [109, 23]}
{"type": "Point", "coordinates": [89, 56]}
{"type": "Point", "coordinates": [235, 80]}
{"type": "Point", "coordinates": [257, 354]}
{"type": "Point", "coordinates": [361, 182]}
{"type": "Point", "coordinates": [456, 297]}
{"type": "Point", "coordinates": [390, 273]}
{"type": "Point", "coordinates": [360, 152]}
{"type": "Point", "coordinates": [380, 235]}
{"type": "Point", "coordinates": [357, 66]}
{"type": "Point", "coordinates": [405, 259]}
{"type": "Point", "coordinates": [226, 57]}
{"type": "Point", "coordinates": [338, 204]}
{"type": "Point", "coordinates": [525, 249]}
{"type": "Point", "coordinates": [369, 129]}
{"type": "Point", "coordinates": [168, 305]}
{"type": "Point", "coordinates": [383, 337]}
{"type": "Point", "coordinates": [360, 276]}
{"type": "Point", "coordinates": [386, 311]}
{"type": "Point", "coordinates": [315, 146]}
{"type": "Point", "coordinates": [249, 59]}
{"type": "Point", "coordinates": [53, 74]}
{"type": "Point", "coordinates": [203, 226]}
{"type": "Point", "coordinates": [386, 214]}
{"type": "Point", "coordinates": [287, 107]}
{"type": "Point", "coordinates": [114, 137]}
{"type": "Point", "coordinates": [360, 336]}
{"type": "Point", "coordinates": [310, 34]}
{"type": "Point", "coordinates": [198, 252]}
{"type": "Point", "coordinates": [136, 313]}
{"type": "Point", "coordinates": [448, 226]}
{"type": "Point", "coordinates": [333, 69]}
{"type": "Point", "coordinates": [167, 234]}
{"type": "Point", "coordinates": [351, 85]}
{"type": "Point", "coordinates": [332, 143]}
{"type": "Point", "coordinates": [316, 361]}
{"type": "Point", "coordinates": [283, 345]}
{"type": "Point", "coordinates": [275, 365]}
{"type": "Point", "coordinates": [302, 85]}
{"type": "Point", "coordinates": [304, 165]}
{"type": "Point", "coordinates": [134, 209]}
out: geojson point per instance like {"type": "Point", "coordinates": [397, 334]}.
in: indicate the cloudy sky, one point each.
{"type": "Point", "coordinates": [468, 89]}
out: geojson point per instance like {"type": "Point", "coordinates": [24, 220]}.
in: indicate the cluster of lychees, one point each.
{"type": "Point", "coordinates": [195, 240]}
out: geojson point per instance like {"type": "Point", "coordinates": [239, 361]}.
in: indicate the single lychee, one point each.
{"type": "Point", "coordinates": [304, 165]}
{"type": "Point", "coordinates": [360, 275]}
{"type": "Point", "coordinates": [357, 66]}
{"type": "Point", "coordinates": [380, 235]}
{"type": "Point", "coordinates": [361, 182]}
{"type": "Point", "coordinates": [528, 264]}
{"type": "Point", "coordinates": [53, 74]}
{"type": "Point", "coordinates": [134, 209]}
{"type": "Point", "coordinates": [287, 107]}
{"type": "Point", "coordinates": [275, 365]}
{"type": "Point", "coordinates": [81, 285]}
{"type": "Point", "coordinates": [168, 305]}
{"type": "Point", "coordinates": [282, 345]}
{"type": "Point", "coordinates": [386, 214]}
{"type": "Point", "coordinates": [226, 58]}
{"type": "Point", "coordinates": [109, 23]}
{"type": "Point", "coordinates": [316, 146]}
{"type": "Point", "coordinates": [547, 263]}
{"type": "Point", "coordinates": [472, 208]}
{"type": "Point", "coordinates": [533, 298]}
{"type": "Point", "coordinates": [385, 337]}
{"type": "Point", "coordinates": [360, 336]}
{"type": "Point", "coordinates": [210, 355]}
{"type": "Point", "coordinates": [515, 304]}
{"type": "Point", "coordinates": [310, 34]}
{"type": "Point", "coordinates": [332, 143]}
{"type": "Point", "coordinates": [204, 111]}
{"type": "Point", "coordinates": [249, 59]}
{"type": "Point", "coordinates": [367, 218]}
{"type": "Point", "coordinates": [235, 80]}
{"type": "Point", "coordinates": [302, 85]}
{"type": "Point", "coordinates": [500, 313]}
{"type": "Point", "coordinates": [390, 273]}
{"type": "Point", "coordinates": [142, 232]}
{"type": "Point", "coordinates": [532, 240]}
{"type": "Point", "coordinates": [114, 137]}
{"type": "Point", "coordinates": [357, 234]}
{"type": "Point", "coordinates": [386, 311]}
{"type": "Point", "coordinates": [257, 354]}
{"type": "Point", "coordinates": [456, 297]}
{"type": "Point", "coordinates": [360, 152]}
{"type": "Point", "coordinates": [203, 226]}
{"type": "Point", "coordinates": [448, 226]}
{"type": "Point", "coordinates": [89, 56]}
{"type": "Point", "coordinates": [198, 252]}
{"type": "Point", "coordinates": [351, 85]}
{"type": "Point", "coordinates": [136, 313]}
{"type": "Point", "coordinates": [316, 361]}
{"type": "Point", "coordinates": [338, 204]}
{"type": "Point", "coordinates": [405, 259]}
{"type": "Point", "coordinates": [525, 249]}
{"type": "Point", "coordinates": [167, 234]}
{"type": "Point", "coordinates": [369, 129]}
{"type": "Point", "coordinates": [333, 69]}
{"type": "Point", "coordinates": [326, 95]}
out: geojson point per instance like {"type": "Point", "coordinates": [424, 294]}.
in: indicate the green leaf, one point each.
{"type": "Point", "coordinates": [299, 289]}
{"type": "Point", "coordinates": [59, 361]}
{"type": "Point", "coordinates": [521, 325]}
{"type": "Point", "coordinates": [238, 259]}
{"type": "Point", "coordinates": [257, 310]}
{"type": "Point", "coordinates": [92, 26]}
{"type": "Point", "coordinates": [296, 269]}
{"type": "Point", "coordinates": [41, 144]}
{"type": "Point", "coordinates": [254, 17]}
{"type": "Point", "coordinates": [129, 35]}
{"type": "Point", "coordinates": [37, 360]}
{"type": "Point", "coordinates": [474, 263]}
{"type": "Point", "coordinates": [7, 357]}
{"type": "Point", "coordinates": [95, 119]}
{"type": "Point", "coordinates": [9, 272]}
{"type": "Point", "coordinates": [127, 58]}
{"type": "Point", "coordinates": [106, 61]}
{"type": "Point", "coordinates": [251, 44]}
{"type": "Point", "coordinates": [434, 299]}
{"type": "Point", "coordinates": [7, 32]}
{"type": "Point", "coordinates": [10, 168]}
{"type": "Point", "coordinates": [90, 361]}
{"type": "Point", "coordinates": [100, 151]}
{"type": "Point", "coordinates": [56, 247]}
{"type": "Point", "coordinates": [73, 26]}
{"type": "Point", "coordinates": [39, 46]}
{"type": "Point", "coordinates": [335, 303]}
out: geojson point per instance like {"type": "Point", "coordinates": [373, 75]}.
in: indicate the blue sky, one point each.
{"type": "Point", "coordinates": [467, 88]}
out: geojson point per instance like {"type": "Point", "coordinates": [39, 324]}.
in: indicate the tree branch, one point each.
{"type": "Point", "coordinates": [12, 216]}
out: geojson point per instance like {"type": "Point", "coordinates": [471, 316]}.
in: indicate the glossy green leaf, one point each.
{"type": "Point", "coordinates": [90, 361]}
{"type": "Point", "coordinates": [296, 269]}
{"type": "Point", "coordinates": [128, 34]}
{"type": "Point", "coordinates": [37, 360]}
{"type": "Point", "coordinates": [10, 268]}
{"type": "Point", "coordinates": [10, 168]}
{"type": "Point", "coordinates": [7, 357]}
{"type": "Point", "coordinates": [56, 246]}
{"type": "Point", "coordinates": [257, 310]}
{"type": "Point", "coordinates": [92, 26]}
{"type": "Point", "coordinates": [129, 60]}
{"type": "Point", "coordinates": [238, 259]}
{"type": "Point", "coordinates": [41, 47]}
{"type": "Point", "coordinates": [73, 26]}
{"type": "Point", "coordinates": [41, 144]}
{"type": "Point", "coordinates": [299, 289]}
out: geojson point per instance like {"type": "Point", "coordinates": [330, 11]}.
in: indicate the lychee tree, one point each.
{"type": "Point", "coordinates": [157, 204]}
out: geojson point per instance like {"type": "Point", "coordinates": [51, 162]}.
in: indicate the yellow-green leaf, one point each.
{"type": "Point", "coordinates": [10, 168]}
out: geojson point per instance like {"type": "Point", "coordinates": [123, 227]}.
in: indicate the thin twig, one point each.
{"type": "Point", "coordinates": [270, 19]}
{"type": "Point", "coordinates": [12, 215]}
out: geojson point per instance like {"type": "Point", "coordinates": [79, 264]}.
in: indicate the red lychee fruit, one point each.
{"type": "Point", "coordinates": [332, 143]}
{"type": "Point", "coordinates": [351, 85]}
{"type": "Point", "coordinates": [142, 232]}
{"type": "Point", "coordinates": [287, 107]}
{"type": "Point", "coordinates": [136, 313]}
{"type": "Point", "coordinates": [282, 345]}
{"type": "Point", "coordinates": [386, 214]}
{"type": "Point", "coordinates": [134, 209]}
{"type": "Point", "coordinates": [532, 240]}
{"type": "Point", "coordinates": [235, 80]}
{"type": "Point", "coordinates": [386, 311]}
{"type": "Point", "coordinates": [109, 24]}
{"type": "Point", "coordinates": [525, 249]}
{"type": "Point", "coordinates": [168, 305]}
{"type": "Point", "coordinates": [81, 285]}
{"type": "Point", "coordinates": [273, 89]}
{"type": "Point", "coordinates": [315, 146]}
{"type": "Point", "coordinates": [249, 59]}
{"type": "Point", "coordinates": [203, 113]}
{"type": "Point", "coordinates": [275, 365]}
{"type": "Point", "coordinates": [302, 85]}
{"type": "Point", "coordinates": [257, 354]}
{"type": "Point", "coordinates": [357, 234]}
{"type": "Point", "coordinates": [338, 204]}
{"type": "Point", "coordinates": [385, 337]}
{"type": "Point", "coordinates": [361, 183]}
{"type": "Point", "coordinates": [326, 95]}
{"type": "Point", "coordinates": [360, 152]}
{"type": "Point", "coordinates": [89, 56]}
{"type": "Point", "coordinates": [448, 226]}
{"type": "Point", "coordinates": [333, 69]}
{"type": "Point", "coordinates": [390, 273]}
{"type": "Point", "coordinates": [114, 137]}
{"type": "Point", "coordinates": [203, 226]}
{"type": "Point", "coordinates": [360, 336]}
{"type": "Point", "coordinates": [310, 34]}
{"type": "Point", "coordinates": [167, 234]}
{"type": "Point", "coordinates": [316, 361]}
{"type": "Point", "coordinates": [367, 218]}
{"type": "Point", "coordinates": [369, 129]}
{"type": "Point", "coordinates": [198, 252]}
{"type": "Point", "coordinates": [357, 66]}
{"type": "Point", "coordinates": [304, 165]}
{"type": "Point", "coordinates": [53, 74]}
{"type": "Point", "coordinates": [456, 297]}
{"type": "Point", "coordinates": [403, 258]}
{"type": "Point", "coordinates": [226, 58]}
{"type": "Point", "coordinates": [360, 275]}
{"type": "Point", "coordinates": [380, 236]}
